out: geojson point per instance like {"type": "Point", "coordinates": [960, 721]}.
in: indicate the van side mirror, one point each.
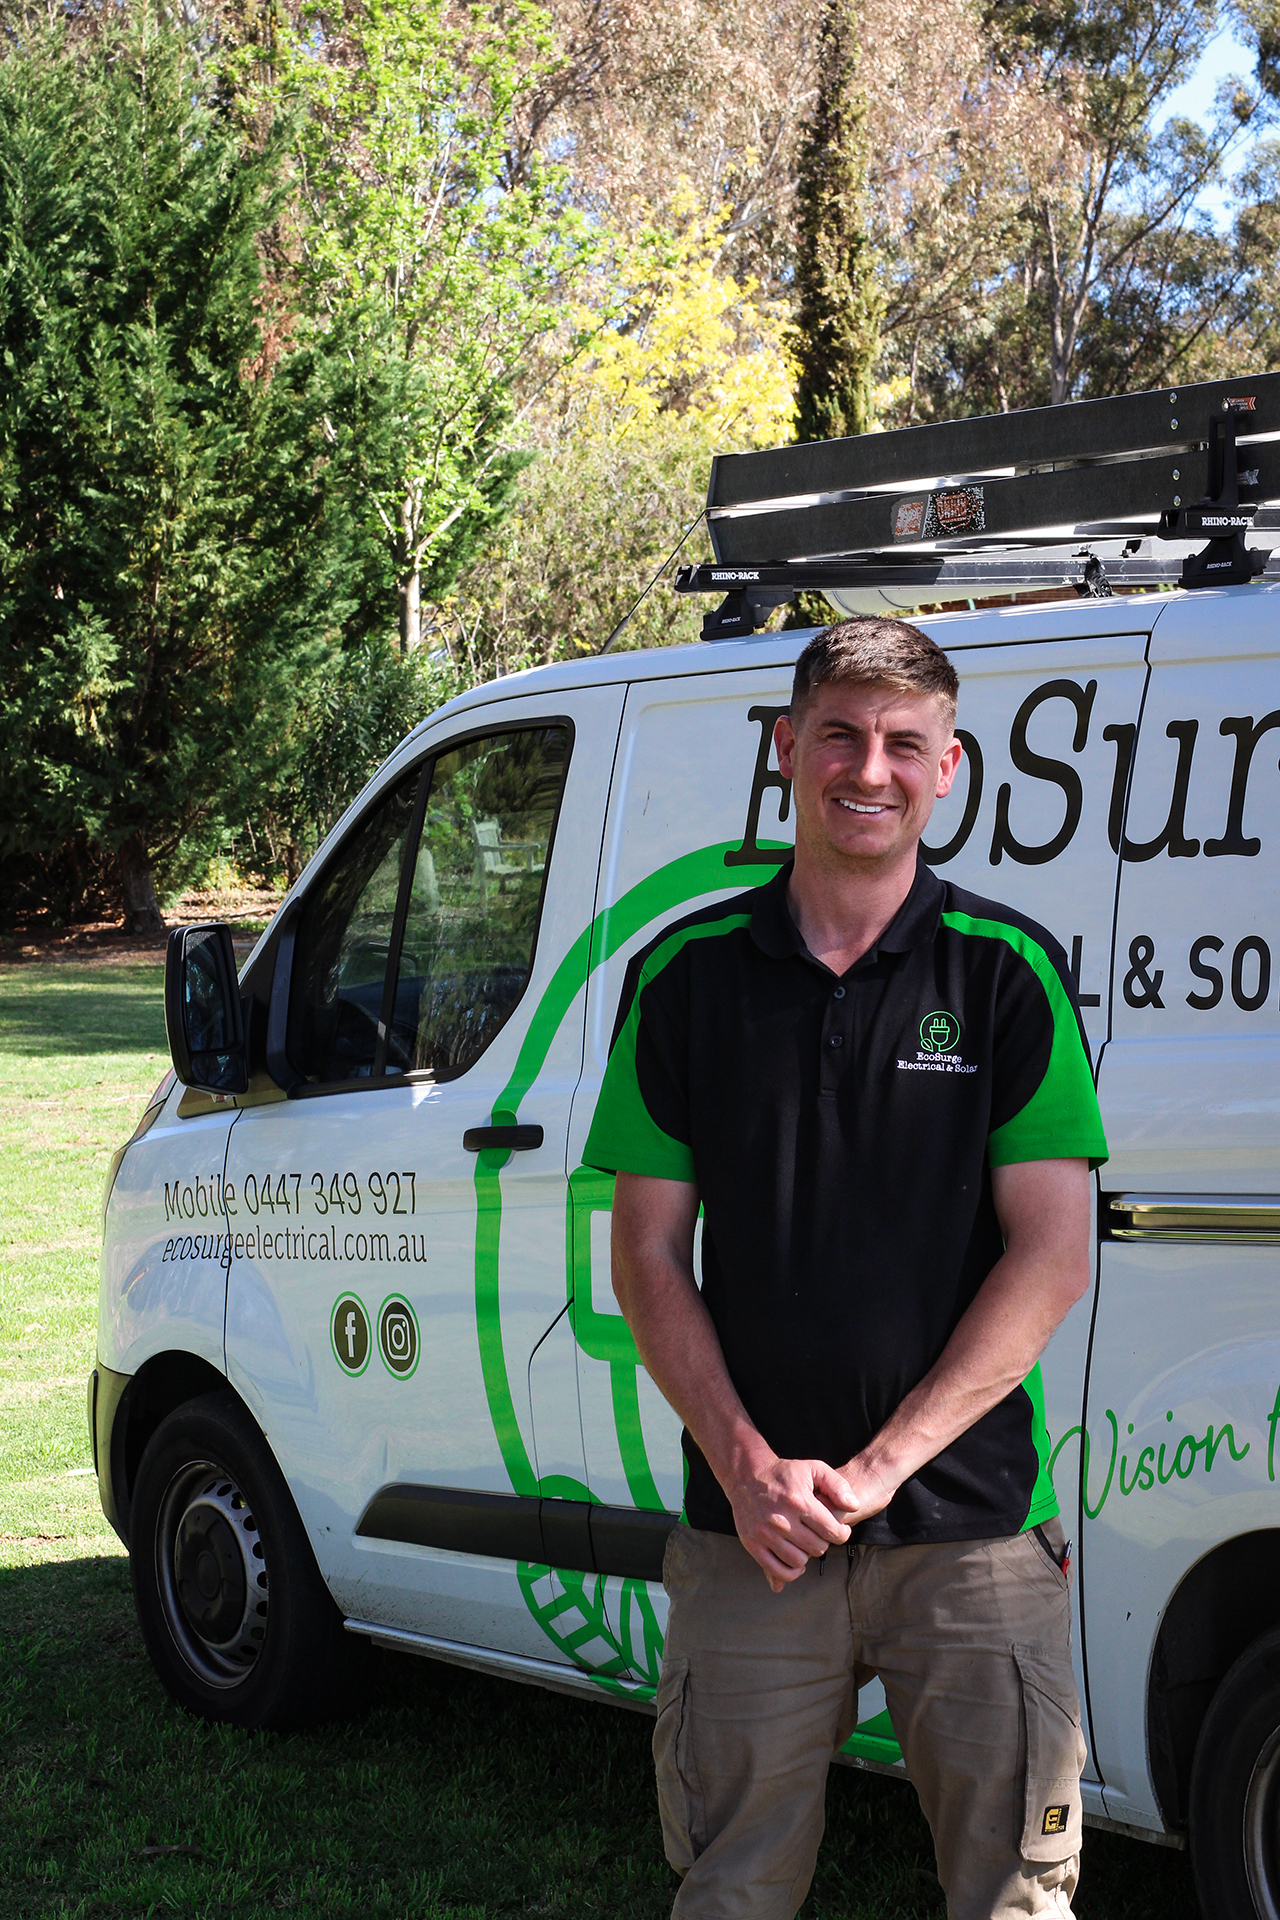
{"type": "Point", "coordinates": [202, 1011]}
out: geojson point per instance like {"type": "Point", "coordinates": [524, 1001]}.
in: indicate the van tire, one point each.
{"type": "Point", "coordinates": [1235, 1790]}
{"type": "Point", "coordinates": [237, 1620]}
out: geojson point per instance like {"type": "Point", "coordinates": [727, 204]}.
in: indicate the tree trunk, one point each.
{"type": "Point", "coordinates": [141, 908]}
{"type": "Point", "coordinates": [839, 302]}
{"type": "Point", "coordinates": [410, 583]}
{"type": "Point", "coordinates": [410, 611]}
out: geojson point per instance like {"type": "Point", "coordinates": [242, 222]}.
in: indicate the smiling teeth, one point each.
{"type": "Point", "coordinates": [856, 806]}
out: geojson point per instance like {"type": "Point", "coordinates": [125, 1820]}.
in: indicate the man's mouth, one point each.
{"type": "Point", "coordinates": [861, 806]}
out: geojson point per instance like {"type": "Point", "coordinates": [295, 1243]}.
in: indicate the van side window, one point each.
{"type": "Point", "coordinates": [475, 897]}
{"type": "Point", "coordinates": [343, 943]}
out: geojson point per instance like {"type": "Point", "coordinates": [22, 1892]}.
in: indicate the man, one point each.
{"type": "Point", "coordinates": [878, 1089]}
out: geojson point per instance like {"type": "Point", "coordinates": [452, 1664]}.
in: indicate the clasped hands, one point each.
{"type": "Point", "coordinates": [788, 1512]}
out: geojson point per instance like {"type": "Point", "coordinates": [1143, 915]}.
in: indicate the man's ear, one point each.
{"type": "Point", "coordinates": [784, 740]}
{"type": "Point", "coordinates": [948, 767]}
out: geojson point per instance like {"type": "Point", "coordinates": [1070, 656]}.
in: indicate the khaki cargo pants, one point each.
{"type": "Point", "coordinates": [972, 1643]}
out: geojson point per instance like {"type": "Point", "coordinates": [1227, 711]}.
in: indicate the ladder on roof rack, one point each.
{"type": "Point", "coordinates": [957, 509]}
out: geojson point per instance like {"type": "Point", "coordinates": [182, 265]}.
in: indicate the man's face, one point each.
{"type": "Point", "coordinates": [866, 764]}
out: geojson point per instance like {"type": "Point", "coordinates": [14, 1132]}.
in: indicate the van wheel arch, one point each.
{"type": "Point", "coordinates": [1226, 1602]}
{"type": "Point", "coordinates": [235, 1613]}
{"type": "Point", "coordinates": [161, 1385]}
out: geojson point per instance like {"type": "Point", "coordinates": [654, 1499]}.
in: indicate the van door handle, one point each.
{"type": "Point", "coordinates": [511, 1139]}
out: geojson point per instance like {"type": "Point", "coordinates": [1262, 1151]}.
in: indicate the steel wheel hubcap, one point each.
{"type": "Point", "coordinates": [212, 1574]}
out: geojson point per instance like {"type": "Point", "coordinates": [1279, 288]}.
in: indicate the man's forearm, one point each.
{"type": "Point", "coordinates": [678, 1343]}
{"type": "Point", "coordinates": [1043, 1272]}
{"type": "Point", "coordinates": [991, 1352]}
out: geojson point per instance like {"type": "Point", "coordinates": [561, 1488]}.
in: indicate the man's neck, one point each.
{"type": "Point", "coordinates": [841, 911]}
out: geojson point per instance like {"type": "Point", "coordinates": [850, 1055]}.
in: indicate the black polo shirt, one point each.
{"type": "Point", "coordinates": [841, 1132]}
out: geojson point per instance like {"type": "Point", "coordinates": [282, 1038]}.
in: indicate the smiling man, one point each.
{"type": "Point", "coordinates": [877, 1088]}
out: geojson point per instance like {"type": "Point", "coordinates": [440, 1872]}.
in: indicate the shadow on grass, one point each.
{"type": "Point", "coordinates": [81, 1010]}
{"type": "Point", "coordinates": [452, 1795]}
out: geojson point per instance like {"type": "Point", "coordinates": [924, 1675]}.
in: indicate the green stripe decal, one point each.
{"type": "Point", "coordinates": [658, 894]}
{"type": "Point", "coordinates": [1061, 1119]}
{"type": "Point", "coordinates": [874, 1740]}
{"type": "Point", "coordinates": [624, 1382]}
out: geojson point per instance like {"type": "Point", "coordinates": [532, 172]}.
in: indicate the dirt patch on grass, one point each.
{"type": "Point", "coordinates": [103, 943]}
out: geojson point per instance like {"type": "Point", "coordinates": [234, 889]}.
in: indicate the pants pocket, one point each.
{"type": "Point", "coordinates": [1051, 1542]}
{"type": "Point", "coordinates": [1055, 1753]}
{"type": "Point", "coordinates": [679, 1797]}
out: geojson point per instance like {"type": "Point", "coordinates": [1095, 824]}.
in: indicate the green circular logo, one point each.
{"type": "Point", "coordinates": [398, 1336]}
{"type": "Point", "coordinates": [939, 1032]}
{"type": "Point", "coordinates": [349, 1331]}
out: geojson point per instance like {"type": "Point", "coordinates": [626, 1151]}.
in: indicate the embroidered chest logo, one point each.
{"type": "Point", "coordinates": [939, 1032]}
{"type": "Point", "coordinates": [939, 1038]}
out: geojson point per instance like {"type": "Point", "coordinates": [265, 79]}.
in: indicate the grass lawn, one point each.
{"type": "Point", "coordinates": [453, 1795]}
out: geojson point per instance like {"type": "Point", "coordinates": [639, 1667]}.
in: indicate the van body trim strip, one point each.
{"type": "Point", "coordinates": [1251, 1219]}
{"type": "Point", "coordinates": [512, 1666]}
{"type": "Point", "coordinates": [577, 1535]}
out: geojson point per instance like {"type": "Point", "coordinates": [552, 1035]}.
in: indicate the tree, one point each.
{"type": "Point", "coordinates": [174, 561]}
{"type": "Point", "coordinates": [354, 711]}
{"type": "Point", "coordinates": [684, 362]}
{"type": "Point", "coordinates": [1115, 234]}
{"type": "Point", "coordinates": [647, 104]}
{"type": "Point", "coordinates": [438, 278]}
{"type": "Point", "coordinates": [838, 298]}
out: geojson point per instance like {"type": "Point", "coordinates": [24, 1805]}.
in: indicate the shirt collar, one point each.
{"type": "Point", "coordinates": [914, 924]}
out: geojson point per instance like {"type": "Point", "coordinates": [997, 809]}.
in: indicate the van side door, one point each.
{"type": "Point", "coordinates": [399, 1221]}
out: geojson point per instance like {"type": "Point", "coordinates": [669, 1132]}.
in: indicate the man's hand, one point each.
{"type": "Point", "coordinates": [871, 1485]}
{"type": "Point", "coordinates": [787, 1513]}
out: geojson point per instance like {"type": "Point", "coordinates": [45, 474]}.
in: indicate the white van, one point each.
{"type": "Point", "coordinates": [359, 1362]}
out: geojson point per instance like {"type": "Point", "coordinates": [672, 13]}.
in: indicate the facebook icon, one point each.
{"type": "Point", "coordinates": [349, 1330]}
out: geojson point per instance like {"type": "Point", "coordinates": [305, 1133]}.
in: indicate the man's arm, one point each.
{"type": "Point", "coordinates": [783, 1509]}
{"type": "Point", "coordinates": [1043, 1209]}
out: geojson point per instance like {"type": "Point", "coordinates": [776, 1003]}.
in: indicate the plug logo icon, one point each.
{"type": "Point", "coordinates": [939, 1032]}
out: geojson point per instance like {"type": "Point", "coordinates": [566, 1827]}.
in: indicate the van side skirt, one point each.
{"type": "Point", "coordinates": [575, 1534]}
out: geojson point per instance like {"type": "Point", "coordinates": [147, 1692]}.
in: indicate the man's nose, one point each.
{"type": "Point", "coordinates": [871, 765]}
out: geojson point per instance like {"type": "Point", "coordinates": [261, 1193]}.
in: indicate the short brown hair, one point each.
{"type": "Point", "coordinates": [872, 650]}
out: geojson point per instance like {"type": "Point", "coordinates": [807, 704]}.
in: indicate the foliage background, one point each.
{"type": "Point", "coordinates": [356, 351]}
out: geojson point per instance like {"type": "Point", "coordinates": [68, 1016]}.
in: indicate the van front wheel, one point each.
{"type": "Point", "coordinates": [237, 1620]}
{"type": "Point", "coordinates": [1235, 1791]}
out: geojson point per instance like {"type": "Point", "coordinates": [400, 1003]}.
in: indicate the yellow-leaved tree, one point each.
{"type": "Point", "coordinates": [682, 362]}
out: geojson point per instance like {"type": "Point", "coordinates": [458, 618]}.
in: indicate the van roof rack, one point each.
{"type": "Point", "coordinates": [1047, 498]}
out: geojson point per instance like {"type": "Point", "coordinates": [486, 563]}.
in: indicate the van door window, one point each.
{"type": "Point", "coordinates": [343, 942]}
{"type": "Point", "coordinates": [475, 897]}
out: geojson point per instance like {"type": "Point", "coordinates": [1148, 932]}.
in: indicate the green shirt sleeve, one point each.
{"type": "Point", "coordinates": [1043, 1081]}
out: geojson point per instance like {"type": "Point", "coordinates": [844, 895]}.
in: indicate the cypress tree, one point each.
{"type": "Point", "coordinates": [836, 335]}
{"type": "Point", "coordinates": [173, 561]}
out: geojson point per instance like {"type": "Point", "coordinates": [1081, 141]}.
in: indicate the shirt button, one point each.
{"type": "Point", "coordinates": [838, 994]}
{"type": "Point", "coordinates": [836, 1040]}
